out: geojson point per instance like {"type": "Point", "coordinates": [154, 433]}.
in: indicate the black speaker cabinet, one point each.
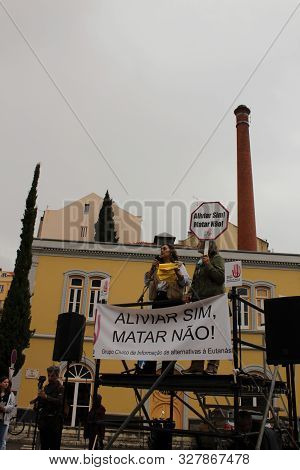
{"type": "Point", "coordinates": [282, 327]}
{"type": "Point", "coordinates": [69, 337]}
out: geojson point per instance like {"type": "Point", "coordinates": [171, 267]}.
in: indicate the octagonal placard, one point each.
{"type": "Point", "coordinates": [209, 220]}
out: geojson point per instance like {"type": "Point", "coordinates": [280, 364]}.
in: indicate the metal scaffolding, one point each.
{"type": "Point", "coordinates": [235, 386]}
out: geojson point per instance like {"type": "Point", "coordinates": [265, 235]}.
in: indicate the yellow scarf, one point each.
{"type": "Point", "coordinates": [166, 272]}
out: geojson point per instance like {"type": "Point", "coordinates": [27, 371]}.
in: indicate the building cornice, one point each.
{"type": "Point", "coordinates": [45, 247]}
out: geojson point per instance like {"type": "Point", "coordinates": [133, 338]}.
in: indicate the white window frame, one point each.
{"type": "Point", "coordinates": [78, 379]}
{"type": "Point", "coordinates": [86, 276]}
{"type": "Point", "coordinates": [252, 287]}
{"type": "Point", "coordinates": [77, 291]}
{"type": "Point", "coordinates": [243, 307]}
{"type": "Point", "coordinates": [96, 291]}
{"type": "Point", "coordinates": [261, 301]}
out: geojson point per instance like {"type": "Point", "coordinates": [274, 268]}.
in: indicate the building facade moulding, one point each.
{"type": "Point", "coordinates": [146, 253]}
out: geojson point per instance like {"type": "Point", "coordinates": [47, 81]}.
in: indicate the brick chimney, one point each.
{"type": "Point", "coordinates": [246, 210]}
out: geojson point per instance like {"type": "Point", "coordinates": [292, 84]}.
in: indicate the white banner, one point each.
{"type": "Point", "coordinates": [198, 330]}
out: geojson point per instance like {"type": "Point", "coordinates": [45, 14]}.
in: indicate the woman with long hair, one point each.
{"type": "Point", "coordinates": [7, 406]}
{"type": "Point", "coordinates": [167, 280]}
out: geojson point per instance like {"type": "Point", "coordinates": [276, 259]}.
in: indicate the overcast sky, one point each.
{"type": "Point", "coordinates": [124, 94]}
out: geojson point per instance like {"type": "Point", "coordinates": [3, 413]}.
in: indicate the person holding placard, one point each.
{"type": "Point", "coordinates": [208, 281]}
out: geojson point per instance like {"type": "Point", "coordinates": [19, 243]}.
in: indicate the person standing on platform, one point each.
{"type": "Point", "coordinates": [49, 402]}
{"type": "Point", "coordinates": [208, 281]}
{"type": "Point", "coordinates": [167, 280]}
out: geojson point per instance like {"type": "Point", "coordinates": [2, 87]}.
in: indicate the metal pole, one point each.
{"type": "Point", "coordinates": [294, 404]}
{"type": "Point", "coordinates": [138, 396]}
{"type": "Point", "coordinates": [96, 382]}
{"type": "Point", "coordinates": [35, 427]}
{"type": "Point", "coordinates": [205, 420]}
{"type": "Point", "coordinates": [269, 402]}
{"type": "Point", "coordinates": [235, 328]}
{"type": "Point", "coordinates": [66, 385]}
{"type": "Point", "coordinates": [235, 352]}
{"type": "Point", "coordinates": [172, 394]}
{"type": "Point", "coordinates": [64, 400]}
{"type": "Point", "coordinates": [202, 404]}
{"type": "Point", "coordinates": [171, 406]}
{"type": "Point", "coordinates": [239, 318]}
{"type": "Point", "coordinates": [289, 396]}
{"type": "Point", "coordinates": [139, 405]}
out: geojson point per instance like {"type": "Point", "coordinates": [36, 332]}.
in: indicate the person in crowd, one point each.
{"type": "Point", "coordinates": [208, 281]}
{"type": "Point", "coordinates": [94, 428]}
{"type": "Point", "coordinates": [167, 280]}
{"type": "Point", "coordinates": [7, 407]}
{"type": "Point", "coordinates": [49, 403]}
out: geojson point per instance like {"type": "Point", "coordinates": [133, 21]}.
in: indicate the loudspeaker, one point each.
{"type": "Point", "coordinates": [69, 337]}
{"type": "Point", "coordinates": [282, 327]}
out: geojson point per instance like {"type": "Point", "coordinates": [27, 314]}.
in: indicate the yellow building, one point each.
{"type": "Point", "coordinates": [6, 278]}
{"type": "Point", "coordinates": [66, 276]}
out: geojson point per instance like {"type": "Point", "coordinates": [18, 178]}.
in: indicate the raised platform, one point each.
{"type": "Point", "coordinates": [214, 385]}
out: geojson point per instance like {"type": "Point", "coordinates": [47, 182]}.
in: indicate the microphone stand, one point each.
{"type": "Point", "coordinates": [37, 412]}
{"type": "Point", "coordinates": [141, 300]}
{"type": "Point", "coordinates": [37, 406]}
{"type": "Point", "coordinates": [145, 288]}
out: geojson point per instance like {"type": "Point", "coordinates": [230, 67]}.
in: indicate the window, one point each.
{"type": "Point", "coordinates": [83, 290]}
{"type": "Point", "coordinates": [75, 294]}
{"type": "Point", "coordinates": [255, 293]}
{"type": "Point", "coordinates": [79, 393]}
{"type": "Point", "coordinates": [261, 293]}
{"type": "Point", "coordinates": [1, 288]}
{"type": "Point", "coordinates": [86, 208]}
{"type": "Point", "coordinates": [83, 232]}
{"type": "Point", "coordinates": [4, 274]}
{"type": "Point", "coordinates": [94, 291]}
{"type": "Point", "coordinates": [244, 313]}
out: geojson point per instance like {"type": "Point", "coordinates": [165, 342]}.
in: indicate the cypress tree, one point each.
{"type": "Point", "coordinates": [105, 225]}
{"type": "Point", "coordinates": [15, 322]}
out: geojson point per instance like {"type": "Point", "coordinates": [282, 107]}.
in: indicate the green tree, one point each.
{"type": "Point", "coordinates": [15, 322]}
{"type": "Point", "coordinates": [105, 225]}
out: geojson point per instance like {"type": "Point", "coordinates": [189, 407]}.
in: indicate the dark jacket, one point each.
{"type": "Point", "coordinates": [93, 427]}
{"type": "Point", "coordinates": [208, 280]}
{"type": "Point", "coordinates": [51, 413]}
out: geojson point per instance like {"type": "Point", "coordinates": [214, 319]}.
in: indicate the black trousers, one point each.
{"type": "Point", "coordinates": [50, 437]}
{"type": "Point", "coordinates": [161, 301]}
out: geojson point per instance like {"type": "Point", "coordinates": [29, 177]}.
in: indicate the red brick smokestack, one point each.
{"type": "Point", "coordinates": [246, 210]}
